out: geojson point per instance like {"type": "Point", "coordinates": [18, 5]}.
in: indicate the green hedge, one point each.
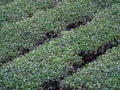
{"type": "Point", "coordinates": [103, 73]}
{"type": "Point", "coordinates": [27, 34]}
{"type": "Point", "coordinates": [54, 58]}
{"type": "Point", "coordinates": [21, 9]}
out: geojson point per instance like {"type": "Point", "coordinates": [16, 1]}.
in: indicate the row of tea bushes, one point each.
{"type": "Point", "coordinates": [21, 9]}
{"type": "Point", "coordinates": [55, 58]}
{"type": "Point", "coordinates": [21, 37]}
{"type": "Point", "coordinates": [104, 73]}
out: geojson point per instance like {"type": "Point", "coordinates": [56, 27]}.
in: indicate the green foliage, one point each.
{"type": "Point", "coordinates": [22, 9]}
{"type": "Point", "coordinates": [102, 74]}
{"type": "Point", "coordinates": [105, 3]}
{"type": "Point", "coordinates": [28, 34]}
{"type": "Point", "coordinates": [4, 2]}
{"type": "Point", "coordinates": [53, 59]}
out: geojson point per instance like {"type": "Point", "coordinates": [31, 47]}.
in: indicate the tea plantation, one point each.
{"type": "Point", "coordinates": [59, 44]}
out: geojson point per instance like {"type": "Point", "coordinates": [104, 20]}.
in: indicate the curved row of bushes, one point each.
{"type": "Point", "coordinates": [54, 58]}
{"type": "Point", "coordinates": [21, 9]}
{"type": "Point", "coordinates": [104, 73]}
{"type": "Point", "coordinates": [19, 37]}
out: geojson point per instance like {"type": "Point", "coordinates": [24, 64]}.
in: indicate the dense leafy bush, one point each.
{"type": "Point", "coordinates": [19, 37]}
{"type": "Point", "coordinates": [4, 2]}
{"type": "Point", "coordinates": [21, 9]}
{"type": "Point", "coordinates": [105, 3]}
{"type": "Point", "coordinates": [104, 73]}
{"type": "Point", "coordinates": [54, 58]}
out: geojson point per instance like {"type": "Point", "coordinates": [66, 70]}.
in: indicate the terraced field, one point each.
{"type": "Point", "coordinates": [59, 45]}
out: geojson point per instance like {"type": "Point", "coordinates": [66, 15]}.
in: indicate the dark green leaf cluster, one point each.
{"type": "Point", "coordinates": [22, 9]}
{"type": "Point", "coordinates": [4, 2]}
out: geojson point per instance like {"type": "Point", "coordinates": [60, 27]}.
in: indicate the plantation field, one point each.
{"type": "Point", "coordinates": [59, 45]}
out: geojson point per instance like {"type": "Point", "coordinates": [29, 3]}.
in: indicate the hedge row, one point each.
{"type": "Point", "coordinates": [21, 37]}
{"type": "Point", "coordinates": [21, 9]}
{"type": "Point", "coordinates": [104, 73]}
{"type": "Point", "coordinates": [54, 58]}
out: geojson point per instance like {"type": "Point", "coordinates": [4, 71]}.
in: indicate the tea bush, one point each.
{"type": "Point", "coordinates": [103, 73]}
{"type": "Point", "coordinates": [22, 9]}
